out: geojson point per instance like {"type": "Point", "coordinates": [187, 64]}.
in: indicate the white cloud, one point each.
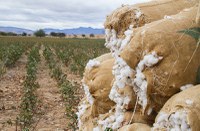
{"type": "Point", "coordinates": [34, 14]}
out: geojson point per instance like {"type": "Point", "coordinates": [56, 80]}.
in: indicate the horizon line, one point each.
{"type": "Point", "coordinates": [51, 28]}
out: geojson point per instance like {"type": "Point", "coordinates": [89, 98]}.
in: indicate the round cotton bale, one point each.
{"type": "Point", "coordinates": [99, 80]}
{"type": "Point", "coordinates": [180, 112]}
{"type": "Point", "coordinates": [117, 118]}
{"type": "Point", "coordinates": [141, 14]}
{"type": "Point", "coordinates": [172, 52]}
{"type": "Point", "coordinates": [136, 127]}
{"type": "Point", "coordinates": [104, 57]}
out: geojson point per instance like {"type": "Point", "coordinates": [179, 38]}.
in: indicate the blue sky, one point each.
{"type": "Point", "coordinates": [35, 14]}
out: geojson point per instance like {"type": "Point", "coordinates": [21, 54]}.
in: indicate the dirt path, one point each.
{"type": "Point", "coordinates": [54, 117]}
{"type": "Point", "coordinates": [10, 93]}
{"type": "Point", "coordinates": [52, 106]}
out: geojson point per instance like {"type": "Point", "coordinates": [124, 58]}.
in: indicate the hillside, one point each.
{"type": "Point", "coordinates": [78, 31]}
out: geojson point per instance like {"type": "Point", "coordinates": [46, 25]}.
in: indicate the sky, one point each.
{"type": "Point", "coordinates": [58, 14]}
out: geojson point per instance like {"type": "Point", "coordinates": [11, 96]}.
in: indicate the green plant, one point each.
{"type": "Point", "coordinates": [108, 129]}
{"type": "Point", "coordinates": [76, 53]}
{"type": "Point", "coordinates": [9, 122]}
{"type": "Point", "coordinates": [67, 90]}
{"type": "Point", "coordinates": [194, 33]}
{"type": "Point", "coordinates": [28, 106]}
{"type": "Point", "coordinates": [40, 33]}
{"type": "Point", "coordinates": [10, 52]}
{"type": "Point", "coordinates": [198, 76]}
{"type": "Point", "coordinates": [2, 68]}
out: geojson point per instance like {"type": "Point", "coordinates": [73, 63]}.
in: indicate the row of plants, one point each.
{"type": "Point", "coordinates": [73, 52]}
{"type": "Point", "coordinates": [10, 53]}
{"type": "Point", "coordinates": [29, 101]}
{"type": "Point", "coordinates": [67, 90]}
{"type": "Point", "coordinates": [76, 55]}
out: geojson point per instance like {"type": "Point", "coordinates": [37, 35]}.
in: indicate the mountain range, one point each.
{"type": "Point", "coordinates": [77, 31]}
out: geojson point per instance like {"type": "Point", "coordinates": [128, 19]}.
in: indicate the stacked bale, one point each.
{"type": "Point", "coordinates": [140, 75]}
{"type": "Point", "coordinates": [96, 83]}
{"type": "Point", "coordinates": [164, 43]}
{"type": "Point", "coordinates": [136, 127]}
{"type": "Point", "coordinates": [181, 112]}
{"type": "Point", "coordinates": [141, 14]}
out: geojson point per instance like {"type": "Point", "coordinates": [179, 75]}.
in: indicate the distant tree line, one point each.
{"type": "Point", "coordinates": [91, 35]}
{"type": "Point", "coordinates": [54, 34]}
{"type": "Point", "coordinates": [41, 33]}
{"type": "Point", "coordinates": [8, 34]}
{"type": "Point", "coordinates": [13, 34]}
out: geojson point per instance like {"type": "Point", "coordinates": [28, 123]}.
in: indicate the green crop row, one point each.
{"type": "Point", "coordinates": [10, 53]}
{"type": "Point", "coordinates": [29, 101]}
{"type": "Point", "coordinates": [73, 52]}
{"type": "Point", "coordinates": [76, 55]}
{"type": "Point", "coordinates": [67, 89]}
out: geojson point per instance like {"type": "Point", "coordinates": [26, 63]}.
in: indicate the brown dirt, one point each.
{"type": "Point", "coordinates": [54, 117]}
{"type": "Point", "coordinates": [52, 107]}
{"type": "Point", "coordinates": [11, 84]}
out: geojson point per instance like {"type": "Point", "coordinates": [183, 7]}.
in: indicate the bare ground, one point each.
{"type": "Point", "coordinates": [53, 108]}
{"type": "Point", "coordinates": [11, 84]}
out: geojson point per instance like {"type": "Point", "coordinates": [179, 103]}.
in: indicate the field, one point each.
{"type": "Point", "coordinates": [40, 81]}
